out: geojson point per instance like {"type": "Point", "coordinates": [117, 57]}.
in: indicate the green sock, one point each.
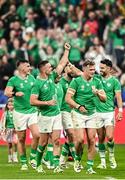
{"type": "Point", "coordinates": [46, 157]}
{"type": "Point", "coordinates": [50, 150]}
{"type": "Point", "coordinates": [90, 164]}
{"type": "Point", "coordinates": [78, 157]}
{"type": "Point", "coordinates": [39, 154]}
{"type": "Point", "coordinates": [72, 150]}
{"type": "Point", "coordinates": [33, 154]}
{"type": "Point", "coordinates": [49, 153]}
{"type": "Point", "coordinates": [64, 153]}
{"type": "Point", "coordinates": [65, 150]}
{"type": "Point", "coordinates": [102, 153]}
{"type": "Point", "coordinates": [111, 148]}
{"type": "Point", "coordinates": [56, 160]}
{"type": "Point", "coordinates": [23, 159]}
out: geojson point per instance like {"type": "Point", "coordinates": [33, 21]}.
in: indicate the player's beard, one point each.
{"type": "Point", "coordinates": [102, 73]}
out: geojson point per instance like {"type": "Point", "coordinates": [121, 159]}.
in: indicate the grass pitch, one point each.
{"type": "Point", "coordinates": [12, 171]}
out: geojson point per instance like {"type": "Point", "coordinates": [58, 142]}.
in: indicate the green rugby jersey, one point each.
{"type": "Point", "coordinates": [83, 93]}
{"type": "Point", "coordinates": [46, 90]}
{"type": "Point", "coordinates": [110, 85]}
{"type": "Point", "coordinates": [9, 119]}
{"type": "Point", "coordinates": [22, 104]}
{"type": "Point", "coordinates": [65, 84]}
{"type": "Point", "coordinates": [59, 94]}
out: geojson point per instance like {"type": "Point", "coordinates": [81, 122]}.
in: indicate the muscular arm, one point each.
{"type": "Point", "coordinates": [35, 102]}
{"type": "Point", "coordinates": [64, 59]}
{"type": "Point", "coordinates": [119, 99]}
{"type": "Point", "coordinates": [69, 95]}
{"type": "Point", "coordinates": [75, 70]}
{"type": "Point", "coordinates": [69, 98]}
{"type": "Point", "coordinates": [119, 103]}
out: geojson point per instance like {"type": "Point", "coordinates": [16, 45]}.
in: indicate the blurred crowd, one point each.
{"type": "Point", "coordinates": [37, 30]}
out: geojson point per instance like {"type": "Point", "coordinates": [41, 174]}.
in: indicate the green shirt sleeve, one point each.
{"type": "Point", "coordinates": [73, 85]}
{"type": "Point", "coordinates": [100, 86]}
{"type": "Point", "coordinates": [35, 89]}
{"type": "Point", "coordinates": [117, 85]}
{"type": "Point", "coordinates": [10, 83]}
{"type": "Point", "coordinates": [54, 75]}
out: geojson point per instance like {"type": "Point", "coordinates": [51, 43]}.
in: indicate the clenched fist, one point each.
{"type": "Point", "coordinates": [67, 46]}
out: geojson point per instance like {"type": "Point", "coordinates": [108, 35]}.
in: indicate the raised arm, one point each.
{"type": "Point", "coordinates": [75, 70]}
{"type": "Point", "coordinates": [64, 60]}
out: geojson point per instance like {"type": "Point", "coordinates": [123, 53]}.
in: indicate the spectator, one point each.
{"type": "Point", "coordinates": [22, 9]}
{"type": "Point", "coordinates": [6, 71]}
{"type": "Point", "coordinates": [30, 22]}
{"type": "Point", "coordinates": [2, 29]}
{"type": "Point", "coordinates": [28, 28]}
{"type": "Point", "coordinates": [77, 48]}
{"type": "Point", "coordinates": [49, 55]}
{"type": "Point", "coordinates": [92, 23]}
{"type": "Point", "coordinates": [96, 52]}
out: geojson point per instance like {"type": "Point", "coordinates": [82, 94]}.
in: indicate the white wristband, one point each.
{"type": "Point", "coordinates": [120, 109]}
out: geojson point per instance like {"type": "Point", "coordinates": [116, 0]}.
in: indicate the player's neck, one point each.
{"type": "Point", "coordinates": [43, 76]}
{"type": "Point", "coordinates": [86, 77]}
{"type": "Point", "coordinates": [107, 76]}
{"type": "Point", "coordinates": [22, 75]}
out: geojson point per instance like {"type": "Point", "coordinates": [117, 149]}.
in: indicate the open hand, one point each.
{"type": "Point", "coordinates": [119, 116]}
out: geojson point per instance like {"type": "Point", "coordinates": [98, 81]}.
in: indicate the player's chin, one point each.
{"type": "Point", "coordinates": [91, 75]}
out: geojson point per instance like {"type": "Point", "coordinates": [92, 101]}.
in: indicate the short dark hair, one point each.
{"type": "Point", "coordinates": [42, 63]}
{"type": "Point", "coordinates": [107, 62]}
{"type": "Point", "coordinates": [88, 62]}
{"type": "Point", "coordinates": [21, 61]}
